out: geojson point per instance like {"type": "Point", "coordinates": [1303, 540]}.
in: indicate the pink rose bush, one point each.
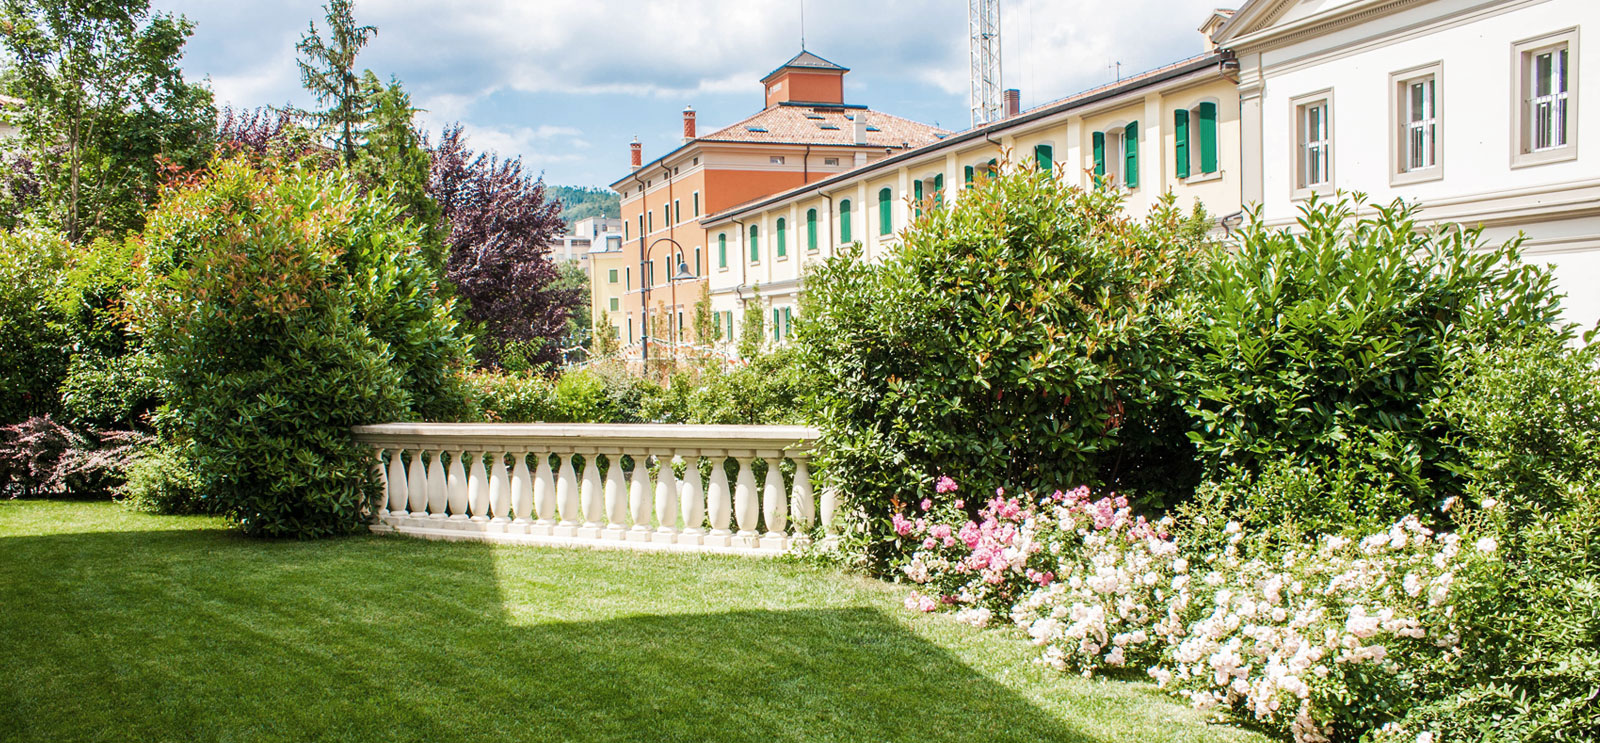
{"type": "Point", "coordinates": [1316, 642]}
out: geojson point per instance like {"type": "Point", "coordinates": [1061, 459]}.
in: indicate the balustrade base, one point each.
{"type": "Point", "coordinates": [547, 536]}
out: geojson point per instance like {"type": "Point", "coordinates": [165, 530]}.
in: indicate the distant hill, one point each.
{"type": "Point", "coordinates": [579, 202]}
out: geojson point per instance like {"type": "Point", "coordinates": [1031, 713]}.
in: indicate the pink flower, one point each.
{"type": "Point", "coordinates": [930, 543]}
{"type": "Point", "coordinates": [940, 531]}
{"type": "Point", "coordinates": [945, 485]}
{"type": "Point", "coordinates": [960, 503]}
{"type": "Point", "coordinates": [927, 504]}
{"type": "Point", "coordinates": [901, 525]}
{"type": "Point", "coordinates": [919, 602]}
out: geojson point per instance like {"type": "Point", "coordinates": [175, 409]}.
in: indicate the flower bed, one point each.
{"type": "Point", "coordinates": [1325, 641]}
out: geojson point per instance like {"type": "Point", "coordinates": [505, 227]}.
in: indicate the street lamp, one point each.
{"type": "Point", "coordinates": [644, 293]}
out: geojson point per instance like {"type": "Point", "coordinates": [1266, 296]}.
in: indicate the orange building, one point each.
{"type": "Point", "coordinates": [804, 133]}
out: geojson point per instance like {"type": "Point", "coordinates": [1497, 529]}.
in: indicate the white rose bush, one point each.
{"type": "Point", "coordinates": [1324, 642]}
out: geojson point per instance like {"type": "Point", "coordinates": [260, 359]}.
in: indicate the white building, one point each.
{"type": "Point", "coordinates": [591, 235]}
{"type": "Point", "coordinates": [1469, 107]}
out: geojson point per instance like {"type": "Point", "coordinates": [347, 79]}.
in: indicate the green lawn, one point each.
{"type": "Point", "coordinates": [126, 627]}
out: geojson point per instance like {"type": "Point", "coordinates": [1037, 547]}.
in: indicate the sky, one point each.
{"type": "Point", "coordinates": [567, 85]}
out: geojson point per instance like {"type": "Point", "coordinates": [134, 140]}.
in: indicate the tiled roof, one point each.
{"type": "Point", "coordinates": [1127, 81]}
{"type": "Point", "coordinates": [822, 124]}
{"type": "Point", "coordinates": [806, 60]}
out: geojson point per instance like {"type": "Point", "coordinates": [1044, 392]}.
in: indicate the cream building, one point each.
{"type": "Point", "coordinates": [1471, 108]}
{"type": "Point", "coordinates": [1171, 129]}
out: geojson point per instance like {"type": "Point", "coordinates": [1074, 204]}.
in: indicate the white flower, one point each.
{"type": "Point", "coordinates": [1487, 545]}
{"type": "Point", "coordinates": [1449, 505]}
{"type": "Point", "coordinates": [1489, 503]}
{"type": "Point", "coordinates": [1425, 737]}
{"type": "Point", "coordinates": [1232, 528]}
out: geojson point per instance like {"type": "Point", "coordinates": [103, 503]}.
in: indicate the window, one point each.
{"type": "Point", "coordinates": [627, 278]}
{"type": "Point", "coordinates": [788, 321]}
{"type": "Point", "coordinates": [971, 175]}
{"type": "Point", "coordinates": [697, 203]}
{"type": "Point", "coordinates": [630, 330]}
{"type": "Point", "coordinates": [614, 243]}
{"type": "Point", "coordinates": [677, 211]}
{"type": "Point", "coordinates": [612, 276]}
{"type": "Point", "coordinates": [650, 223]}
{"type": "Point", "coordinates": [1044, 156]}
{"type": "Point", "coordinates": [777, 325]}
{"type": "Point", "coordinates": [885, 218]}
{"type": "Point", "coordinates": [938, 189]}
{"type": "Point", "coordinates": [844, 221]}
{"type": "Point", "coordinates": [716, 319]}
{"type": "Point", "coordinates": [729, 314]}
{"type": "Point", "coordinates": [1414, 146]}
{"type": "Point", "coordinates": [775, 159]}
{"type": "Point", "coordinates": [666, 215]}
{"type": "Point", "coordinates": [615, 304]}
{"type": "Point", "coordinates": [830, 161]}
{"type": "Point", "coordinates": [1313, 155]}
{"type": "Point", "coordinates": [916, 197]}
{"type": "Point", "coordinates": [1116, 153]}
{"type": "Point", "coordinates": [783, 236]}
{"type": "Point", "coordinates": [722, 250]}
{"type": "Point", "coordinates": [1130, 152]}
{"type": "Point", "coordinates": [1547, 85]}
{"type": "Point", "coordinates": [811, 230]}
{"type": "Point", "coordinates": [625, 226]}
{"type": "Point", "coordinates": [1195, 140]}
{"type": "Point", "coordinates": [755, 254]}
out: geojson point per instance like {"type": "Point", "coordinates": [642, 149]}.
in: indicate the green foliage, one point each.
{"type": "Point", "coordinates": [770, 389]}
{"type": "Point", "coordinates": [573, 278]}
{"type": "Point", "coordinates": [753, 327]}
{"type": "Point", "coordinates": [105, 107]}
{"type": "Point", "coordinates": [582, 202]}
{"type": "Point", "coordinates": [1328, 347]}
{"type": "Point", "coordinates": [283, 307]}
{"type": "Point", "coordinates": [393, 157]}
{"type": "Point", "coordinates": [1018, 337]}
{"type": "Point", "coordinates": [111, 392]}
{"type": "Point", "coordinates": [34, 335]}
{"type": "Point", "coordinates": [328, 71]}
{"type": "Point", "coordinates": [160, 481]}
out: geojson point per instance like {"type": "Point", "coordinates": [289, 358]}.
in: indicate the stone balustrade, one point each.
{"type": "Point", "coordinates": [640, 486]}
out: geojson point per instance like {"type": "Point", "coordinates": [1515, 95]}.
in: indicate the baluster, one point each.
{"type": "Point", "coordinates": [829, 505]}
{"type": "Point", "coordinates": [544, 496]}
{"type": "Point", "coordinates": [499, 490]}
{"type": "Point", "coordinates": [521, 491]}
{"type": "Point", "coordinates": [477, 488]}
{"type": "Point", "coordinates": [693, 498]}
{"type": "Point", "coordinates": [745, 508]}
{"type": "Point", "coordinates": [396, 480]}
{"type": "Point", "coordinates": [591, 497]}
{"type": "Point", "coordinates": [801, 502]}
{"type": "Point", "coordinates": [417, 486]}
{"type": "Point", "coordinates": [456, 483]}
{"type": "Point", "coordinates": [775, 504]}
{"type": "Point", "coordinates": [717, 503]}
{"type": "Point", "coordinates": [567, 497]}
{"type": "Point", "coordinates": [666, 498]}
{"type": "Point", "coordinates": [437, 495]}
{"type": "Point", "coordinates": [616, 498]}
{"type": "Point", "coordinates": [639, 499]}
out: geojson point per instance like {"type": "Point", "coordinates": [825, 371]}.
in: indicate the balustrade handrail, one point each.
{"type": "Point", "coordinates": [543, 483]}
{"type": "Point", "coordinates": [593, 436]}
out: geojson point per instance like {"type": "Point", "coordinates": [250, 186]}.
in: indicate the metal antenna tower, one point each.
{"type": "Point", "coordinates": [983, 21]}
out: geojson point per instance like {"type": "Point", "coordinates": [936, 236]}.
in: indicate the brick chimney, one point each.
{"type": "Point", "coordinates": [688, 123]}
{"type": "Point", "coordinates": [861, 127]}
{"type": "Point", "coordinates": [637, 152]}
{"type": "Point", "coordinates": [1013, 102]}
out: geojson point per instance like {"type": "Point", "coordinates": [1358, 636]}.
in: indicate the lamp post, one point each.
{"type": "Point", "coordinates": [646, 284]}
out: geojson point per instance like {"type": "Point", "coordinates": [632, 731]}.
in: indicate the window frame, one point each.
{"type": "Point", "coordinates": [611, 276]}
{"type": "Point", "coordinates": [1400, 83]}
{"type": "Point", "coordinates": [886, 211]}
{"type": "Point", "coordinates": [755, 244]}
{"type": "Point", "coordinates": [616, 304]}
{"type": "Point", "coordinates": [722, 251]}
{"type": "Point", "coordinates": [812, 245]}
{"type": "Point", "coordinates": [780, 228]}
{"type": "Point", "coordinates": [1302, 189]}
{"type": "Point", "coordinates": [844, 222]}
{"type": "Point", "coordinates": [1523, 53]}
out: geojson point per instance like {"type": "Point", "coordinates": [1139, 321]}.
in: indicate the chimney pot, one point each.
{"type": "Point", "coordinates": [861, 127]}
{"type": "Point", "coordinates": [1013, 102]}
{"type": "Point", "coordinates": [637, 153]}
{"type": "Point", "coordinates": [688, 123]}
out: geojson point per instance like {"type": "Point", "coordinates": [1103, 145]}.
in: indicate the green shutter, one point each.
{"type": "Point", "coordinates": [971, 175]}
{"type": "Point", "coordinates": [1099, 153]}
{"type": "Point", "coordinates": [717, 318]}
{"type": "Point", "coordinates": [777, 330]}
{"type": "Point", "coordinates": [722, 250]}
{"type": "Point", "coordinates": [885, 218]}
{"type": "Point", "coordinates": [1044, 156]}
{"type": "Point", "coordinates": [788, 321]}
{"type": "Point", "coordinates": [1208, 137]}
{"type": "Point", "coordinates": [614, 304]}
{"type": "Point", "coordinates": [916, 196]}
{"type": "Point", "coordinates": [938, 189]}
{"type": "Point", "coordinates": [697, 203]}
{"type": "Point", "coordinates": [811, 230]}
{"type": "Point", "coordinates": [844, 221]}
{"type": "Point", "coordinates": [612, 276]}
{"type": "Point", "coordinates": [1180, 137]}
{"type": "Point", "coordinates": [783, 236]}
{"type": "Point", "coordinates": [1130, 146]}
{"type": "Point", "coordinates": [755, 254]}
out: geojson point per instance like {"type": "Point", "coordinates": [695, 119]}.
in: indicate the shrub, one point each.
{"type": "Point", "coordinates": [40, 456]}
{"type": "Point", "coordinates": [769, 390]}
{"type": "Point", "coordinates": [34, 336]}
{"type": "Point", "coordinates": [283, 307]}
{"type": "Point", "coordinates": [1328, 347]}
{"type": "Point", "coordinates": [160, 481]}
{"type": "Point", "coordinates": [111, 392]}
{"type": "Point", "coordinates": [1021, 333]}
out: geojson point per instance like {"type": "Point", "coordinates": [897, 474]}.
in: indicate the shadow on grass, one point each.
{"type": "Point", "coordinates": [200, 635]}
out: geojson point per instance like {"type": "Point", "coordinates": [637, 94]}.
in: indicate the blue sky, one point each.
{"type": "Point", "coordinates": [566, 85]}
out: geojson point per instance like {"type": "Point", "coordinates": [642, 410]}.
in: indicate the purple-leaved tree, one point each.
{"type": "Point", "coordinates": [500, 227]}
